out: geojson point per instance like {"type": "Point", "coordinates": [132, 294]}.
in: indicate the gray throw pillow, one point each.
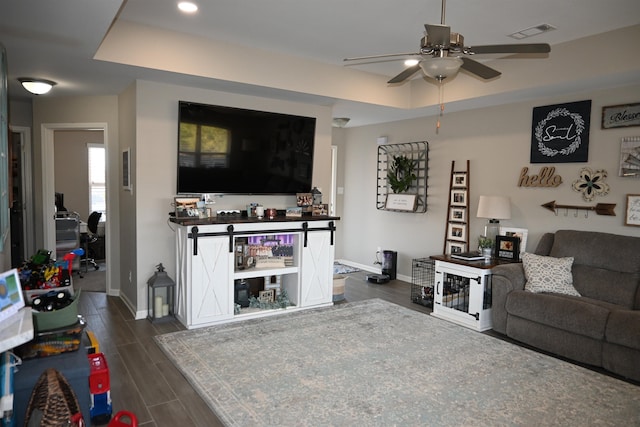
{"type": "Point", "coordinates": [548, 274]}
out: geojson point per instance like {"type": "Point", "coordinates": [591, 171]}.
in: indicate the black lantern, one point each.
{"type": "Point", "coordinates": [160, 289]}
{"type": "Point", "coordinates": [317, 196]}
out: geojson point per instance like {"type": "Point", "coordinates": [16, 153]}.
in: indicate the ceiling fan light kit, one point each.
{"type": "Point", "coordinates": [443, 53]}
{"type": "Point", "coordinates": [441, 68]}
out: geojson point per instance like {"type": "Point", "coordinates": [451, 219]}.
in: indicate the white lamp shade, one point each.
{"type": "Point", "coordinates": [494, 207]}
{"type": "Point", "coordinates": [441, 67]}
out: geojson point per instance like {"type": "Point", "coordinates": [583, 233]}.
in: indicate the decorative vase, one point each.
{"type": "Point", "coordinates": [486, 252]}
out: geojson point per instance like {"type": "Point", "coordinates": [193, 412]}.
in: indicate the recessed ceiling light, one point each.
{"type": "Point", "coordinates": [188, 7]}
{"type": "Point", "coordinates": [411, 62]}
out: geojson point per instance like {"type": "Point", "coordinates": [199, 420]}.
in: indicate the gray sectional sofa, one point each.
{"type": "Point", "coordinates": [600, 327]}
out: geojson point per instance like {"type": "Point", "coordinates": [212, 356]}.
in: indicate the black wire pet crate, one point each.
{"type": "Point", "coordinates": [422, 277]}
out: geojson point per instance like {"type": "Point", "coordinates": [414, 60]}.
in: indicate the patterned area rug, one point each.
{"type": "Point", "coordinates": [374, 363]}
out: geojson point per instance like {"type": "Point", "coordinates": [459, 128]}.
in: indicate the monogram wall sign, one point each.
{"type": "Point", "coordinates": [560, 133]}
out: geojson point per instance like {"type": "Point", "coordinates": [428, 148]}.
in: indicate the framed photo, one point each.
{"type": "Point", "coordinates": [186, 207]}
{"type": "Point", "coordinates": [457, 214]}
{"type": "Point", "coordinates": [458, 197]}
{"type": "Point", "coordinates": [456, 247]}
{"type": "Point", "coordinates": [632, 215]}
{"type": "Point", "coordinates": [520, 233]}
{"type": "Point", "coordinates": [304, 199]}
{"type": "Point", "coordinates": [126, 170]}
{"type": "Point", "coordinates": [507, 247]}
{"type": "Point", "coordinates": [616, 116]}
{"type": "Point", "coordinates": [457, 232]}
{"type": "Point", "coordinates": [459, 179]}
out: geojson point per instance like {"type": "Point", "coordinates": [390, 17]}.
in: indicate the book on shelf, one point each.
{"type": "Point", "coordinates": [468, 256]}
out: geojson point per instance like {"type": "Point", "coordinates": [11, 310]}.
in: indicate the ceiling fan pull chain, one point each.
{"type": "Point", "coordinates": [441, 102]}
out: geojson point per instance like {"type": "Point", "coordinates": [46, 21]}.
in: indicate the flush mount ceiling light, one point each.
{"type": "Point", "coordinates": [340, 122]}
{"type": "Point", "coordinates": [188, 7]}
{"type": "Point", "coordinates": [36, 86]}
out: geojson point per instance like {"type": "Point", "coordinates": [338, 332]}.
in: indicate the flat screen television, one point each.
{"type": "Point", "coordinates": [228, 150]}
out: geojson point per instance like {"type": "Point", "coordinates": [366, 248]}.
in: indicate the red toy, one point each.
{"type": "Point", "coordinates": [116, 421]}
{"type": "Point", "coordinates": [100, 389]}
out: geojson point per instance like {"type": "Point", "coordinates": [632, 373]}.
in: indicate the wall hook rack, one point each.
{"type": "Point", "coordinates": [600, 208]}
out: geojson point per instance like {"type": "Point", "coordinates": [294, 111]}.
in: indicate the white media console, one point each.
{"type": "Point", "coordinates": [208, 269]}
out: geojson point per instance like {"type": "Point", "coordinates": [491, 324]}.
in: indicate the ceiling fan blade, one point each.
{"type": "Point", "coordinates": [511, 48]}
{"type": "Point", "coordinates": [388, 55]}
{"type": "Point", "coordinates": [479, 69]}
{"type": "Point", "coordinates": [438, 35]}
{"type": "Point", "coordinates": [408, 72]}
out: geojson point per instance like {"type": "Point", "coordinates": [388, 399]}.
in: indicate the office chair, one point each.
{"type": "Point", "coordinates": [90, 238]}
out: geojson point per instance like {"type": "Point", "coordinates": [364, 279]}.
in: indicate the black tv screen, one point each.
{"type": "Point", "coordinates": [236, 151]}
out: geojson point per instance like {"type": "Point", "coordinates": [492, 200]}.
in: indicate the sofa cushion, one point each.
{"type": "Point", "coordinates": [601, 250]}
{"type": "Point", "coordinates": [623, 328]}
{"type": "Point", "coordinates": [578, 315]}
{"type": "Point", "coordinates": [606, 266]}
{"type": "Point", "coordinates": [606, 285]}
{"type": "Point", "coordinates": [548, 274]}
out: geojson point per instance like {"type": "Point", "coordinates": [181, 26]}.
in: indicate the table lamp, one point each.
{"type": "Point", "coordinates": [494, 208]}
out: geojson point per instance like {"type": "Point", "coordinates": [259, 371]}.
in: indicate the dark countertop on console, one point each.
{"type": "Point", "coordinates": [238, 219]}
{"type": "Point", "coordinates": [485, 265]}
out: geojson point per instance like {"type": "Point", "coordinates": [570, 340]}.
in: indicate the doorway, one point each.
{"type": "Point", "coordinates": [49, 184]}
{"type": "Point", "coordinates": [21, 209]}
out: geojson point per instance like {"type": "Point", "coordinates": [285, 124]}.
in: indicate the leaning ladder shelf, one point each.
{"type": "Point", "coordinates": [418, 152]}
{"type": "Point", "coordinates": [456, 238]}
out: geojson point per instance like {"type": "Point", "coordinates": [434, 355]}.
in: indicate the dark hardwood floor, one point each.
{"type": "Point", "coordinates": [146, 383]}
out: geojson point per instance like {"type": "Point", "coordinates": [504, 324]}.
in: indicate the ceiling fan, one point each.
{"type": "Point", "coordinates": [442, 54]}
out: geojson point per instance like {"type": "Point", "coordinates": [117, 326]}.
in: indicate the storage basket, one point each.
{"type": "Point", "coordinates": [53, 402]}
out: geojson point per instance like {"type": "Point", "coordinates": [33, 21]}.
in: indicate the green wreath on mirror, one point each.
{"type": "Point", "coordinates": [400, 175]}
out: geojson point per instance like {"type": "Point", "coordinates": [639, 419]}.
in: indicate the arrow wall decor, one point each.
{"type": "Point", "coordinates": [600, 208]}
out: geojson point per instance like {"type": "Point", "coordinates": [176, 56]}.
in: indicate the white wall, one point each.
{"type": "Point", "coordinates": [497, 142]}
{"type": "Point", "coordinates": [154, 172]}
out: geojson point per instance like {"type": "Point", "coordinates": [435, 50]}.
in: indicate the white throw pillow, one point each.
{"type": "Point", "coordinates": [548, 274]}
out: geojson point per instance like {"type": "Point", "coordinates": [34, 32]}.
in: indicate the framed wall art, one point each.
{"type": "Point", "coordinates": [560, 133]}
{"type": "Point", "coordinates": [625, 115]}
{"type": "Point", "coordinates": [630, 157]}
{"type": "Point", "coordinates": [632, 213]}
{"type": "Point", "coordinates": [126, 170]}
{"type": "Point", "coordinates": [507, 247]}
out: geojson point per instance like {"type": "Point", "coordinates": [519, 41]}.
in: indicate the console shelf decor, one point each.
{"type": "Point", "coordinates": [402, 177]}
{"type": "Point", "coordinates": [248, 268]}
